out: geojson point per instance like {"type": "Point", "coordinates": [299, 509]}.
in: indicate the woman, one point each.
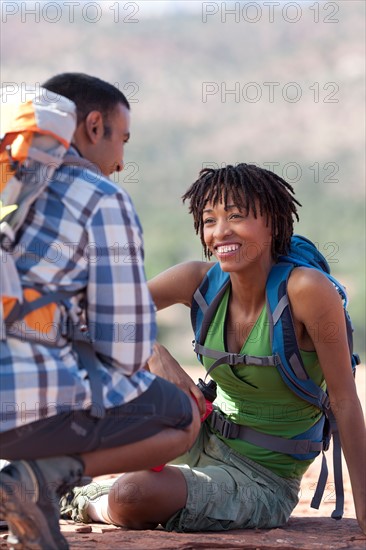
{"type": "Point", "coordinates": [244, 216]}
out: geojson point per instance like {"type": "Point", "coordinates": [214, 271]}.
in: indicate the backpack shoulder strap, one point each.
{"type": "Point", "coordinates": [292, 370]}
{"type": "Point", "coordinates": [283, 339]}
{"type": "Point", "coordinates": [206, 299]}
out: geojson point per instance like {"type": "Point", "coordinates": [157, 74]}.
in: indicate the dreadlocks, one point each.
{"type": "Point", "coordinates": [246, 184]}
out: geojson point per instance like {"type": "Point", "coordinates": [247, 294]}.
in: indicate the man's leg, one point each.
{"type": "Point", "coordinates": [29, 496]}
{"type": "Point", "coordinates": [153, 451]}
{"type": "Point", "coordinates": [30, 490]}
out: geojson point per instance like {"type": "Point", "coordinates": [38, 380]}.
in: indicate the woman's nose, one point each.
{"type": "Point", "coordinates": [222, 228]}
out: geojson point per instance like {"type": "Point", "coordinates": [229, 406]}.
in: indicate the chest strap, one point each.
{"type": "Point", "coordinates": [233, 359]}
{"type": "Point", "coordinates": [305, 389]}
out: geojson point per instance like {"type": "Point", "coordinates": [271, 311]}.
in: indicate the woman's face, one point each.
{"type": "Point", "coordinates": [237, 239]}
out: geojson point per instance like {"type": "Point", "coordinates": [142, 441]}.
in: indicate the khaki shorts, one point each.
{"type": "Point", "coordinates": [229, 491]}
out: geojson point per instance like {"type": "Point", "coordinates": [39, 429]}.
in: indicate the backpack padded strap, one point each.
{"type": "Point", "coordinates": [200, 300]}
{"type": "Point", "coordinates": [297, 367]}
{"type": "Point", "coordinates": [206, 299]}
{"type": "Point", "coordinates": [279, 308]}
{"type": "Point", "coordinates": [210, 312]}
{"type": "Point", "coordinates": [43, 157]}
{"type": "Point", "coordinates": [22, 310]}
{"type": "Point", "coordinates": [305, 389]}
{"type": "Point", "coordinates": [284, 343]}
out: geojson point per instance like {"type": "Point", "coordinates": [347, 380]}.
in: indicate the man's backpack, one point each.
{"type": "Point", "coordinates": [285, 358]}
{"type": "Point", "coordinates": [34, 145]}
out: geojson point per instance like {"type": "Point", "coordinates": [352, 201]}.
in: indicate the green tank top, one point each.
{"type": "Point", "coordinates": [256, 396]}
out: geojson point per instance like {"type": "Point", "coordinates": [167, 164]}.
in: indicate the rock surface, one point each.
{"type": "Point", "coordinates": [307, 529]}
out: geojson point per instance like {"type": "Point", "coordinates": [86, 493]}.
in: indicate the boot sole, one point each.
{"type": "Point", "coordinates": [28, 524]}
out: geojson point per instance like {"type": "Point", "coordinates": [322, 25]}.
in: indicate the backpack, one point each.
{"type": "Point", "coordinates": [285, 358]}
{"type": "Point", "coordinates": [34, 145]}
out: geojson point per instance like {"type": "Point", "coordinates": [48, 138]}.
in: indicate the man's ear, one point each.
{"type": "Point", "coordinates": [94, 126]}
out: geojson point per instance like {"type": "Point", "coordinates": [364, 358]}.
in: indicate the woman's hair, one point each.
{"type": "Point", "coordinates": [246, 184]}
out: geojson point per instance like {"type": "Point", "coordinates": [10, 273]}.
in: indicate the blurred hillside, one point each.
{"type": "Point", "coordinates": [285, 89]}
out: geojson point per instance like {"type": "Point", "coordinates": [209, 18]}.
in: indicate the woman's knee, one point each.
{"type": "Point", "coordinates": [142, 500]}
{"type": "Point", "coordinates": [130, 501]}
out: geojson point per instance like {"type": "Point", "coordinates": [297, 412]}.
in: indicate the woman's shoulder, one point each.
{"type": "Point", "coordinates": [310, 289]}
{"type": "Point", "coordinates": [307, 279]}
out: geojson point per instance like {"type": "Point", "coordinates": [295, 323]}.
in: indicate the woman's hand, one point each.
{"type": "Point", "coordinates": [163, 364]}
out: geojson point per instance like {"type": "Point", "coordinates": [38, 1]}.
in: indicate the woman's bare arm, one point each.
{"type": "Point", "coordinates": [316, 303]}
{"type": "Point", "coordinates": [177, 284]}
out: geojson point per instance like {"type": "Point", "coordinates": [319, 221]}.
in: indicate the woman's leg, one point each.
{"type": "Point", "coordinates": [142, 500]}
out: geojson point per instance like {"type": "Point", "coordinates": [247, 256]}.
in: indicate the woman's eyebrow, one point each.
{"type": "Point", "coordinates": [228, 207]}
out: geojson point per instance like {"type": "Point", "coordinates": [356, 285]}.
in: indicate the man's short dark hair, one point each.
{"type": "Point", "coordinates": [89, 93]}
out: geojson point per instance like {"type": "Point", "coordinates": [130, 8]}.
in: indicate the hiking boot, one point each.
{"type": "Point", "coordinates": [74, 504]}
{"type": "Point", "coordinates": [29, 495]}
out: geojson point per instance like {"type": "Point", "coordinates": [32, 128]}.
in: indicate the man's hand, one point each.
{"type": "Point", "coordinates": [163, 364]}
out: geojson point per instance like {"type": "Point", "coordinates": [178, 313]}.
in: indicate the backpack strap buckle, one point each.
{"type": "Point", "coordinates": [325, 402]}
{"type": "Point", "coordinates": [225, 427]}
{"type": "Point", "coordinates": [327, 433]}
{"type": "Point", "coordinates": [235, 359]}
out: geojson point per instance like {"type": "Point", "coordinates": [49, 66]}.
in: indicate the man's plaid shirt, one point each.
{"type": "Point", "coordinates": [83, 235]}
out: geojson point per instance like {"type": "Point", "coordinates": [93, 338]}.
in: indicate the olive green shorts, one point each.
{"type": "Point", "coordinates": [229, 491]}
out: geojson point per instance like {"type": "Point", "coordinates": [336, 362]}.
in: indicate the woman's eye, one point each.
{"type": "Point", "coordinates": [208, 220]}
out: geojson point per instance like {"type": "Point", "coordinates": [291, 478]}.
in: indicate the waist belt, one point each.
{"type": "Point", "coordinates": [231, 430]}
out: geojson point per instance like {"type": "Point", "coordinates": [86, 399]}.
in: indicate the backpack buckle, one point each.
{"type": "Point", "coordinates": [327, 434]}
{"type": "Point", "coordinates": [325, 403]}
{"type": "Point", "coordinates": [236, 359]}
{"type": "Point", "coordinates": [326, 443]}
{"type": "Point", "coordinates": [226, 428]}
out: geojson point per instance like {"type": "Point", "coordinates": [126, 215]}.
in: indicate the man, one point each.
{"type": "Point", "coordinates": [52, 437]}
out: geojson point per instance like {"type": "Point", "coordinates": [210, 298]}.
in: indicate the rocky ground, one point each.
{"type": "Point", "coordinates": [308, 529]}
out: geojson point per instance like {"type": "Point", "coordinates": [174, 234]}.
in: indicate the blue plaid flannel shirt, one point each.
{"type": "Point", "coordinates": [82, 235]}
